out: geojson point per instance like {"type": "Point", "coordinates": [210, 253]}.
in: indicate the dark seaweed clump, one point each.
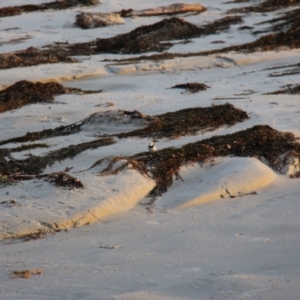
{"type": "Point", "coordinates": [155, 37]}
{"type": "Point", "coordinates": [193, 87]}
{"type": "Point", "coordinates": [260, 141]}
{"type": "Point", "coordinates": [293, 90]}
{"type": "Point", "coordinates": [190, 121]}
{"type": "Point", "coordinates": [25, 92]}
{"type": "Point", "coordinates": [264, 6]}
{"type": "Point", "coordinates": [59, 5]}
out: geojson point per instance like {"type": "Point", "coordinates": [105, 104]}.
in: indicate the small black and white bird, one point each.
{"type": "Point", "coordinates": [151, 147]}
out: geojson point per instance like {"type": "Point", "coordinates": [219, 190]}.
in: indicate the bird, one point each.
{"type": "Point", "coordinates": [151, 147]}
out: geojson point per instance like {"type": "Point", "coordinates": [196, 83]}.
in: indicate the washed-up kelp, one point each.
{"type": "Point", "coordinates": [59, 5]}
{"type": "Point", "coordinates": [289, 37]}
{"type": "Point", "coordinates": [192, 87]}
{"type": "Point", "coordinates": [25, 92]}
{"type": "Point", "coordinates": [33, 56]}
{"type": "Point", "coordinates": [265, 6]}
{"type": "Point", "coordinates": [34, 165]}
{"type": "Point", "coordinates": [62, 179]}
{"type": "Point", "coordinates": [290, 89]}
{"type": "Point", "coordinates": [149, 37]}
{"type": "Point", "coordinates": [260, 141]}
{"type": "Point", "coordinates": [142, 39]}
{"type": "Point", "coordinates": [190, 121]}
{"type": "Point", "coordinates": [293, 69]}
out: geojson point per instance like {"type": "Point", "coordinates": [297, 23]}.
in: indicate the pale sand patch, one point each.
{"type": "Point", "coordinates": [223, 178]}
{"type": "Point", "coordinates": [41, 207]}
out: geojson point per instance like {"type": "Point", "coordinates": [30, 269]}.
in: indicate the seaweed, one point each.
{"type": "Point", "coordinates": [33, 56]}
{"type": "Point", "coordinates": [260, 141]}
{"type": "Point", "coordinates": [34, 165]}
{"type": "Point", "coordinates": [142, 39]}
{"type": "Point", "coordinates": [193, 87]}
{"type": "Point", "coordinates": [26, 273]}
{"type": "Point", "coordinates": [290, 19]}
{"type": "Point", "coordinates": [189, 121]}
{"type": "Point", "coordinates": [44, 134]}
{"type": "Point", "coordinates": [282, 39]}
{"type": "Point", "coordinates": [25, 92]}
{"type": "Point", "coordinates": [293, 90]}
{"type": "Point", "coordinates": [149, 37]}
{"type": "Point", "coordinates": [62, 179]}
{"type": "Point", "coordinates": [59, 5]}
{"type": "Point", "coordinates": [264, 6]}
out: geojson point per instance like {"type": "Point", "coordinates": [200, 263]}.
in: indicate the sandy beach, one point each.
{"type": "Point", "coordinates": [87, 211]}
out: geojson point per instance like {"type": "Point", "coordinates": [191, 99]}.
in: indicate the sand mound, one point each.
{"type": "Point", "coordinates": [37, 207]}
{"type": "Point", "coordinates": [228, 177]}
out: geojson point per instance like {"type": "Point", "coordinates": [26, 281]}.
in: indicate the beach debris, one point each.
{"type": "Point", "coordinates": [264, 6]}
{"type": "Point", "coordinates": [289, 89]}
{"type": "Point", "coordinates": [10, 203]}
{"type": "Point", "coordinates": [39, 135]}
{"type": "Point", "coordinates": [91, 20]}
{"type": "Point", "coordinates": [292, 69]}
{"type": "Point", "coordinates": [62, 179]}
{"type": "Point", "coordinates": [189, 121]}
{"type": "Point", "coordinates": [33, 236]}
{"type": "Point", "coordinates": [260, 141]}
{"type": "Point", "coordinates": [172, 9]}
{"type": "Point", "coordinates": [149, 37]}
{"type": "Point", "coordinates": [25, 92]}
{"type": "Point", "coordinates": [193, 87]}
{"type": "Point", "coordinates": [26, 273]}
{"type": "Point", "coordinates": [156, 37]}
{"type": "Point", "coordinates": [33, 56]}
{"type": "Point", "coordinates": [16, 40]}
{"type": "Point", "coordinates": [59, 5]}
{"type": "Point", "coordinates": [109, 247]}
{"type": "Point", "coordinates": [285, 35]}
{"type": "Point", "coordinates": [32, 166]}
